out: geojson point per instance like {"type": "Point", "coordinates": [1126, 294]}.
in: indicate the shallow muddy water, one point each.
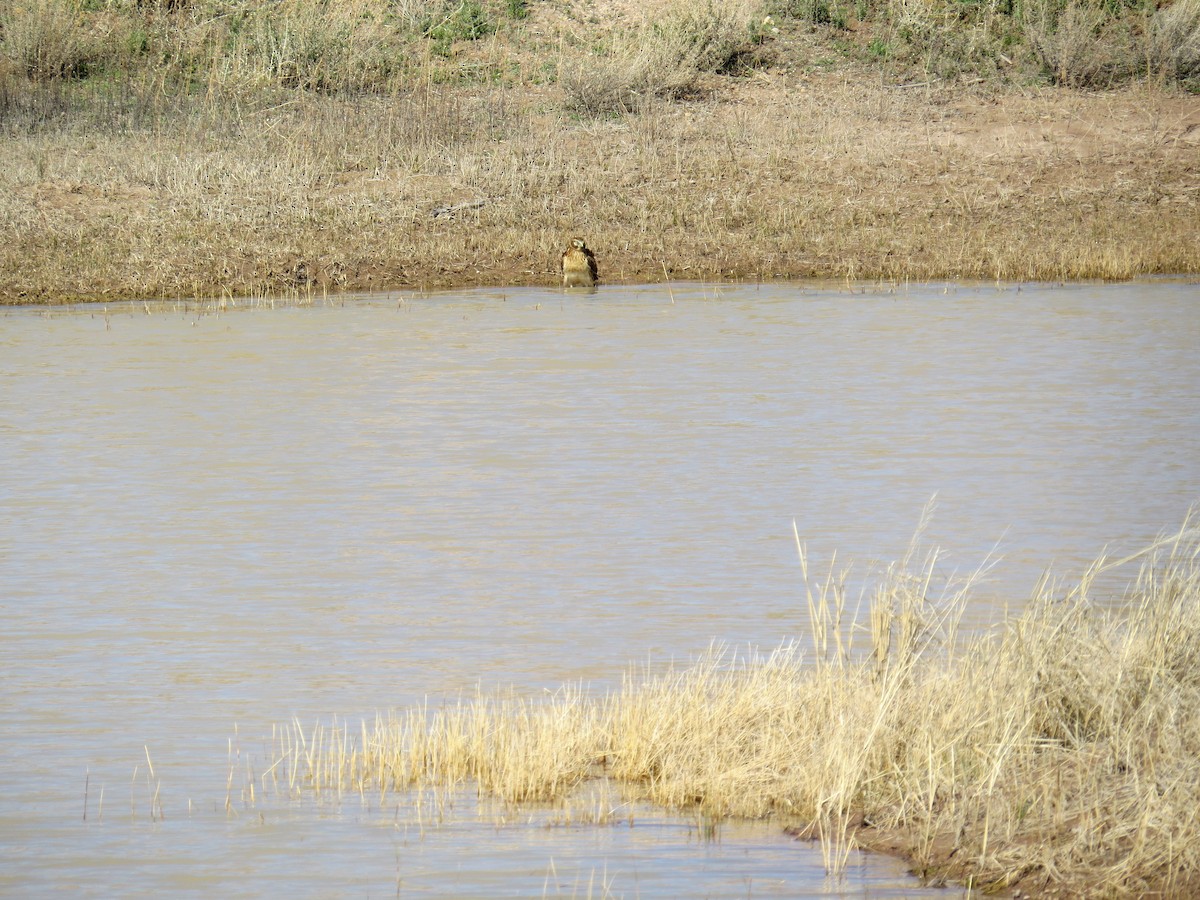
{"type": "Point", "coordinates": [216, 521]}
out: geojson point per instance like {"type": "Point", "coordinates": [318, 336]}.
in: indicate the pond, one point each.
{"type": "Point", "coordinates": [220, 518]}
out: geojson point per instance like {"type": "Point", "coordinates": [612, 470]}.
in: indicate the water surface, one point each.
{"type": "Point", "coordinates": [218, 520]}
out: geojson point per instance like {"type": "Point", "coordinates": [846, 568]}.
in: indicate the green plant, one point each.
{"type": "Point", "coordinates": [814, 12]}
{"type": "Point", "coordinates": [468, 21]}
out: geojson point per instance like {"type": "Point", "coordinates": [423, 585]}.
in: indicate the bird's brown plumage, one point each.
{"type": "Point", "coordinates": [579, 265]}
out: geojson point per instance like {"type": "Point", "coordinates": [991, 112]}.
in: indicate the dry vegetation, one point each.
{"type": "Point", "coordinates": [1059, 755]}
{"type": "Point", "coordinates": [207, 147]}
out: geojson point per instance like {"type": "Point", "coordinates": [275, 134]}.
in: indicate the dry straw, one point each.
{"type": "Point", "coordinates": [1060, 751]}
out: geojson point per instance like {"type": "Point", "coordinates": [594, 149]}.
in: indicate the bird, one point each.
{"type": "Point", "coordinates": [579, 265]}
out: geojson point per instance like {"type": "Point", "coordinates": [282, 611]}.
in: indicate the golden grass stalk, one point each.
{"type": "Point", "coordinates": [1060, 751]}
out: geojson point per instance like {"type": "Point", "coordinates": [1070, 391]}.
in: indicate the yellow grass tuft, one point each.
{"type": "Point", "coordinates": [1061, 751]}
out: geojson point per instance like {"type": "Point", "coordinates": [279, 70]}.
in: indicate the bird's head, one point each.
{"type": "Point", "coordinates": [578, 244]}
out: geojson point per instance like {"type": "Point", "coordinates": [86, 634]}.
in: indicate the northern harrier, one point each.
{"type": "Point", "coordinates": [578, 265]}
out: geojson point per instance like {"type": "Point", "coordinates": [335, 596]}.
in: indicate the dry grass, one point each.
{"type": "Point", "coordinates": [177, 149]}
{"type": "Point", "coordinates": [779, 179]}
{"type": "Point", "coordinates": [664, 57]}
{"type": "Point", "coordinates": [339, 45]}
{"type": "Point", "coordinates": [1078, 45]}
{"type": "Point", "coordinates": [1060, 754]}
{"type": "Point", "coordinates": [1082, 44]}
{"type": "Point", "coordinates": [1173, 40]}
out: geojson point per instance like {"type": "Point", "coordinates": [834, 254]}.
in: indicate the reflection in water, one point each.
{"type": "Point", "coordinates": [223, 521]}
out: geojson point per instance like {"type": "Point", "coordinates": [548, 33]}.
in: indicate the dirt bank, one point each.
{"type": "Point", "coordinates": [780, 174]}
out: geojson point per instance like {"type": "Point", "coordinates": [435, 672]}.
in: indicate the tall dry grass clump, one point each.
{"type": "Point", "coordinates": [1060, 752]}
{"type": "Point", "coordinates": [1081, 44]}
{"type": "Point", "coordinates": [1173, 40]}
{"type": "Point", "coordinates": [1088, 45]}
{"type": "Point", "coordinates": [665, 57]}
{"type": "Point", "coordinates": [45, 39]}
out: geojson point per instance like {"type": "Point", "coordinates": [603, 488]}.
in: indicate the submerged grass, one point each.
{"type": "Point", "coordinates": [1060, 753]}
